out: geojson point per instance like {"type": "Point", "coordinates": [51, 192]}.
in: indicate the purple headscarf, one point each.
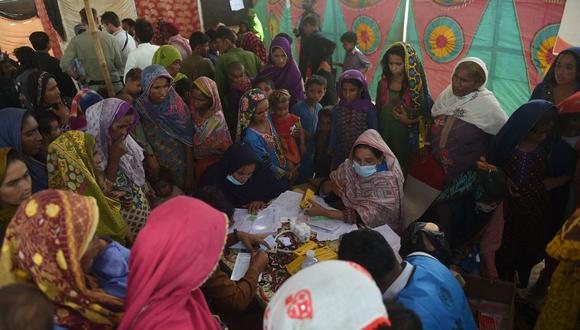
{"type": "Point", "coordinates": [364, 102]}
{"type": "Point", "coordinates": [288, 77]}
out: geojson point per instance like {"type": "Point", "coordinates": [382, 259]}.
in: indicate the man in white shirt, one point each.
{"type": "Point", "coordinates": [143, 55]}
{"type": "Point", "coordinates": [112, 24]}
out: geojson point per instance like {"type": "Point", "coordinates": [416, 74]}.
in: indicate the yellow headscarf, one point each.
{"type": "Point", "coordinates": [166, 55]}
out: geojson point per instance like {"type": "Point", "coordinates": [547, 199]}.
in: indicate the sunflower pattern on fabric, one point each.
{"type": "Point", "coordinates": [542, 47]}
{"type": "Point", "coordinates": [443, 39]}
{"type": "Point", "coordinates": [368, 34]}
{"type": "Point", "coordinates": [44, 244]}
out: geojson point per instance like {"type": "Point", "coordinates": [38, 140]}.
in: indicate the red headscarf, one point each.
{"type": "Point", "coordinates": [570, 105]}
{"type": "Point", "coordinates": [173, 256]}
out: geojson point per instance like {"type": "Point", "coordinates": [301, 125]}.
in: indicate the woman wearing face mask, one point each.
{"type": "Point", "coordinates": [15, 185]}
{"type": "Point", "coordinates": [369, 184]}
{"type": "Point", "coordinates": [243, 178]}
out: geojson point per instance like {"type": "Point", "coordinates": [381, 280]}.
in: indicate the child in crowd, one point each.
{"type": "Point", "coordinates": [164, 188]}
{"type": "Point", "coordinates": [238, 83]}
{"type": "Point", "coordinates": [521, 149]}
{"type": "Point", "coordinates": [288, 126]}
{"type": "Point", "coordinates": [132, 87]}
{"type": "Point", "coordinates": [24, 306]}
{"type": "Point", "coordinates": [213, 51]}
{"type": "Point", "coordinates": [354, 58]}
{"type": "Point", "coordinates": [322, 158]}
{"type": "Point", "coordinates": [264, 83]}
{"type": "Point", "coordinates": [183, 87]}
{"type": "Point", "coordinates": [49, 128]}
{"type": "Point", "coordinates": [354, 114]}
{"type": "Point", "coordinates": [308, 111]}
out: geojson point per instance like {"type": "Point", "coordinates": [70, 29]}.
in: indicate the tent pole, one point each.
{"type": "Point", "coordinates": [99, 48]}
{"type": "Point", "coordinates": [200, 11]}
{"type": "Point", "coordinates": [405, 20]}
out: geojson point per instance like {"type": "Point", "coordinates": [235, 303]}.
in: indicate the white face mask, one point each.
{"type": "Point", "coordinates": [572, 141]}
{"type": "Point", "coordinates": [364, 171]}
{"type": "Point", "coordinates": [234, 181]}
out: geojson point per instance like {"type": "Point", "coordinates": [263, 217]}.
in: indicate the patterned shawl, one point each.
{"type": "Point", "coordinates": [252, 43]}
{"type": "Point", "coordinates": [327, 295]}
{"type": "Point", "coordinates": [377, 199]}
{"type": "Point", "coordinates": [172, 116]}
{"type": "Point", "coordinates": [44, 244]}
{"type": "Point", "coordinates": [248, 104]}
{"type": "Point", "coordinates": [71, 167]}
{"type": "Point", "coordinates": [416, 95]}
{"type": "Point", "coordinates": [174, 254]}
{"type": "Point", "coordinates": [80, 103]}
{"type": "Point", "coordinates": [479, 108]}
{"type": "Point", "coordinates": [211, 135]}
{"type": "Point", "coordinates": [101, 117]}
{"type": "Point", "coordinates": [165, 56]}
{"type": "Point", "coordinates": [288, 77]}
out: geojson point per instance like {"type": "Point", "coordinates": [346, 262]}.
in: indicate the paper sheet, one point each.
{"type": "Point", "coordinates": [236, 5]}
{"type": "Point", "coordinates": [241, 266]}
{"type": "Point", "coordinates": [392, 238]}
{"type": "Point", "coordinates": [266, 221]}
{"type": "Point", "coordinates": [269, 239]}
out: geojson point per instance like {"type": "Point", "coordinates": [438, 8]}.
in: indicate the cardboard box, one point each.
{"type": "Point", "coordinates": [484, 293]}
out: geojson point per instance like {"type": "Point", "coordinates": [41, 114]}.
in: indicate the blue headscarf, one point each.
{"type": "Point", "coordinates": [172, 116]}
{"type": "Point", "coordinates": [516, 129]}
{"type": "Point", "coordinates": [11, 136]}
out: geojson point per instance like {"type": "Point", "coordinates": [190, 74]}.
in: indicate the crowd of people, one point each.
{"type": "Point", "coordinates": [114, 209]}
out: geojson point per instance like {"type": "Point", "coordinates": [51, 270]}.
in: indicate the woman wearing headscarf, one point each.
{"type": "Point", "coordinates": [49, 243]}
{"type": "Point", "coordinates": [211, 137]}
{"type": "Point", "coordinates": [169, 57]}
{"type": "Point", "coordinates": [283, 70]}
{"type": "Point", "coordinates": [80, 104]}
{"type": "Point", "coordinates": [110, 122]}
{"type": "Point", "coordinates": [403, 102]}
{"type": "Point", "coordinates": [174, 254]}
{"type": "Point", "coordinates": [354, 114]}
{"type": "Point", "coordinates": [72, 162]}
{"type": "Point", "coordinates": [243, 178]}
{"type": "Point", "coordinates": [15, 186]}
{"type": "Point", "coordinates": [327, 295]}
{"type": "Point", "coordinates": [367, 187]}
{"type": "Point", "coordinates": [252, 43]}
{"type": "Point", "coordinates": [521, 149]}
{"type": "Point", "coordinates": [169, 34]}
{"type": "Point", "coordinates": [256, 129]}
{"type": "Point", "coordinates": [45, 96]}
{"type": "Point", "coordinates": [19, 130]}
{"type": "Point", "coordinates": [562, 79]}
{"type": "Point", "coordinates": [165, 127]}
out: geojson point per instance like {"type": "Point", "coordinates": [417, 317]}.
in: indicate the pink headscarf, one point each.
{"type": "Point", "coordinates": [377, 199]}
{"type": "Point", "coordinates": [173, 256]}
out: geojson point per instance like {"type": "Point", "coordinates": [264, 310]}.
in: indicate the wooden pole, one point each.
{"type": "Point", "coordinates": [99, 48]}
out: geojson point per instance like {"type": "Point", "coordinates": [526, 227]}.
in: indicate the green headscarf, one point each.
{"type": "Point", "coordinates": [165, 56]}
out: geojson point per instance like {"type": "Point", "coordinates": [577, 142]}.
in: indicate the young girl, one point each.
{"type": "Point", "coordinates": [288, 127]}
{"type": "Point", "coordinates": [265, 84]}
{"type": "Point", "coordinates": [521, 148]}
{"type": "Point", "coordinates": [354, 114]}
{"type": "Point", "coordinates": [283, 70]}
{"type": "Point", "coordinates": [322, 158]}
{"type": "Point", "coordinates": [256, 129]}
{"type": "Point", "coordinates": [132, 87]}
{"type": "Point", "coordinates": [403, 102]}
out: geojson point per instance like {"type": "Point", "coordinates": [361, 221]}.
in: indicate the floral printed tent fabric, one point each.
{"type": "Point", "coordinates": [517, 49]}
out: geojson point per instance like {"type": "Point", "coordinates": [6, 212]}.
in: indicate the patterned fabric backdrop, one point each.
{"type": "Point", "coordinates": [183, 13]}
{"type": "Point", "coordinates": [517, 49]}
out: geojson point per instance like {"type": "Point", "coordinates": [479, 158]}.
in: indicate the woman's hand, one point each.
{"type": "Point", "coordinates": [255, 207]}
{"type": "Point", "coordinates": [251, 240]}
{"type": "Point", "coordinates": [315, 210]}
{"type": "Point", "coordinates": [152, 167]}
{"type": "Point", "coordinates": [401, 115]}
{"type": "Point", "coordinates": [292, 174]}
{"type": "Point", "coordinates": [117, 149]}
{"type": "Point", "coordinates": [296, 132]}
{"type": "Point", "coordinates": [259, 260]}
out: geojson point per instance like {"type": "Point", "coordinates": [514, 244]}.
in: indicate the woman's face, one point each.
{"type": "Point", "coordinates": [121, 128]}
{"type": "Point", "coordinates": [261, 113]}
{"type": "Point", "coordinates": [174, 67]}
{"type": "Point", "coordinates": [462, 83]}
{"type": "Point", "coordinates": [540, 134]}
{"type": "Point", "coordinates": [31, 137]}
{"type": "Point", "coordinates": [244, 173]}
{"type": "Point", "coordinates": [395, 65]}
{"type": "Point", "coordinates": [199, 101]}
{"type": "Point", "coordinates": [17, 184]}
{"type": "Point", "coordinates": [279, 57]}
{"type": "Point", "coordinates": [52, 93]}
{"type": "Point", "coordinates": [159, 90]}
{"type": "Point", "coordinates": [365, 157]}
{"type": "Point", "coordinates": [566, 70]}
{"type": "Point", "coordinates": [97, 158]}
{"type": "Point", "coordinates": [350, 91]}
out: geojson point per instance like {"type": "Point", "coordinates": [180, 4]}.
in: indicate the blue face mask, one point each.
{"type": "Point", "coordinates": [234, 181]}
{"type": "Point", "coordinates": [364, 171]}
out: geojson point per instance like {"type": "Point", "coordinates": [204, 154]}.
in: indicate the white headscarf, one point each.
{"type": "Point", "coordinates": [328, 295]}
{"type": "Point", "coordinates": [100, 118]}
{"type": "Point", "coordinates": [479, 108]}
